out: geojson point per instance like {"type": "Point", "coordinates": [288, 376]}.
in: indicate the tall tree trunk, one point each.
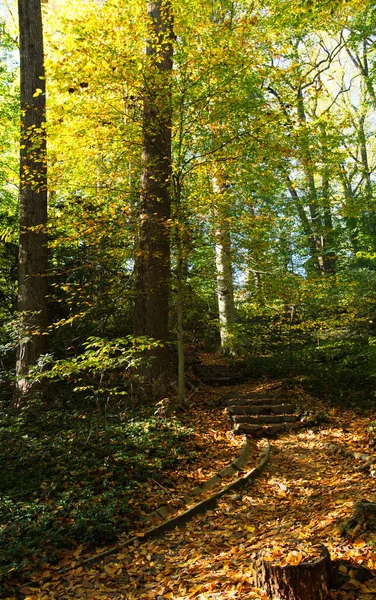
{"type": "Point", "coordinates": [317, 238]}
{"type": "Point", "coordinates": [33, 251]}
{"type": "Point", "coordinates": [180, 280]}
{"type": "Point", "coordinates": [225, 288]}
{"type": "Point", "coordinates": [370, 213]}
{"type": "Point", "coordinates": [350, 212]}
{"type": "Point", "coordinates": [153, 259]}
{"type": "Point", "coordinates": [361, 63]}
{"type": "Point", "coordinates": [305, 223]}
{"type": "Point", "coordinates": [330, 259]}
{"type": "Point", "coordinates": [307, 163]}
{"type": "Point", "coordinates": [180, 328]}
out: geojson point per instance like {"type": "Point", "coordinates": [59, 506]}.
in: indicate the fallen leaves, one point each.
{"type": "Point", "coordinates": [298, 504]}
{"type": "Point", "coordinates": [291, 554]}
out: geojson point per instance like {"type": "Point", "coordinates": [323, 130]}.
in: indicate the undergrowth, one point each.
{"type": "Point", "coordinates": [69, 476]}
{"type": "Point", "coordinates": [339, 371]}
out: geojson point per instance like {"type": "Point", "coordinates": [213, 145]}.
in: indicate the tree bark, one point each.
{"type": "Point", "coordinates": [330, 258]}
{"type": "Point", "coordinates": [33, 251]}
{"type": "Point", "coordinates": [370, 214]}
{"type": "Point", "coordinates": [180, 328]}
{"type": "Point", "coordinates": [153, 259]}
{"type": "Point", "coordinates": [225, 288]}
{"type": "Point", "coordinates": [317, 240]}
{"type": "Point", "coordinates": [306, 581]}
{"type": "Point", "coordinates": [180, 280]}
{"type": "Point", "coordinates": [350, 211]}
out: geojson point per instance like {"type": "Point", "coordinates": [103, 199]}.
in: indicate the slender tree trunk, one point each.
{"type": "Point", "coordinates": [361, 63]}
{"type": "Point", "coordinates": [370, 212]}
{"type": "Point", "coordinates": [180, 333]}
{"type": "Point", "coordinates": [305, 223]}
{"type": "Point", "coordinates": [320, 225]}
{"type": "Point", "coordinates": [351, 216]}
{"type": "Point", "coordinates": [180, 271]}
{"type": "Point", "coordinates": [153, 259]}
{"type": "Point", "coordinates": [330, 259]}
{"type": "Point", "coordinates": [254, 276]}
{"type": "Point", "coordinates": [225, 289]}
{"type": "Point", "coordinates": [364, 157]}
{"type": "Point", "coordinates": [33, 252]}
{"type": "Point", "coordinates": [317, 237]}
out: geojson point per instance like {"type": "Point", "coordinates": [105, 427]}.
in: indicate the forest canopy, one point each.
{"type": "Point", "coordinates": [255, 124]}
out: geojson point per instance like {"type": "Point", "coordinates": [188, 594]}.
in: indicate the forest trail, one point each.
{"type": "Point", "coordinates": [306, 494]}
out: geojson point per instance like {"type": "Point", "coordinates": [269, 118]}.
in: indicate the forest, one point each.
{"type": "Point", "coordinates": [187, 231]}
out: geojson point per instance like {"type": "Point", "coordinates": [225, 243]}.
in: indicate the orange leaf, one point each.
{"type": "Point", "coordinates": [294, 558]}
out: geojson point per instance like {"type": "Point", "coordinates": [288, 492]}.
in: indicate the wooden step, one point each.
{"type": "Point", "coordinates": [214, 369]}
{"type": "Point", "coordinates": [262, 409]}
{"type": "Point", "coordinates": [218, 374]}
{"type": "Point", "coordinates": [265, 430]}
{"type": "Point", "coordinates": [265, 401]}
{"type": "Point", "coordinates": [252, 419]}
{"type": "Point", "coordinates": [217, 381]}
{"type": "Point", "coordinates": [251, 395]}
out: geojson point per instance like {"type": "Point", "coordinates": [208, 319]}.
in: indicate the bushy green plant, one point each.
{"type": "Point", "coordinates": [102, 371]}
{"type": "Point", "coordinates": [69, 476]}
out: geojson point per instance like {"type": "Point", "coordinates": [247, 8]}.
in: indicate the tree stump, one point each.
{"type": "Point", "coordinates": [308, 579]}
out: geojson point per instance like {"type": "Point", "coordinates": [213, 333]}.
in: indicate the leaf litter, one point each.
{"type": "Point", "coordinates": [300, 502]}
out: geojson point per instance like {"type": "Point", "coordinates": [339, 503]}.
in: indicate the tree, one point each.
{"type": "Point", "coordinates": [358, 39]}
{"type": "Point", "coordinates": [225, 287]}
{"type": "Point", "coordinates": [9, 141]}
{"type": "Point", "coordinates": [33, 259]}
{"type": "Point", "coordinates": [113, 96]}
{"type": "Point", "coordinates": [152, 286]}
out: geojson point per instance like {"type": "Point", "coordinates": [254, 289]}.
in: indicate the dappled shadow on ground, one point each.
{"type": "Point", "coordinates": [305, 495]}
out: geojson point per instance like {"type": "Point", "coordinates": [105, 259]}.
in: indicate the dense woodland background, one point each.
{"type": "Point", "coordinates": [211, 186]}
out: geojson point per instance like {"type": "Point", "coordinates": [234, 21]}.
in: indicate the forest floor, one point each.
{"type": "Point", "coordinates": [306, 495]}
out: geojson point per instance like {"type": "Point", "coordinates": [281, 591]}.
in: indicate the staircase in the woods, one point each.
{"type": "Point", "coordinates": [258, 414]}
{"type": "Point", "coordinates": [262, 414]}
{"type": "Point", "coordinates": [216, 374]}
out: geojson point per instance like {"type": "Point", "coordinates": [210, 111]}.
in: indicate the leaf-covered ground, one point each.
{"type": "Point", "coordinates": [306, 496]}
{"type": "Point", "coordinates": [71, 478]}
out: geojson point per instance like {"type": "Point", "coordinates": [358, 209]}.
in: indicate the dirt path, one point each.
{"type": "Point", "coordinates": [306, 493]}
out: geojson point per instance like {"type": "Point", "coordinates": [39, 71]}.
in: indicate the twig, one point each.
{"type": "Point", "coordinates": [163, 488]}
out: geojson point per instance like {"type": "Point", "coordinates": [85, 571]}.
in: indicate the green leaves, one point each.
{"type": "Point", "coordinates": [79, 475]}
{"type": "Point", "coordinates": [102, 369]}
